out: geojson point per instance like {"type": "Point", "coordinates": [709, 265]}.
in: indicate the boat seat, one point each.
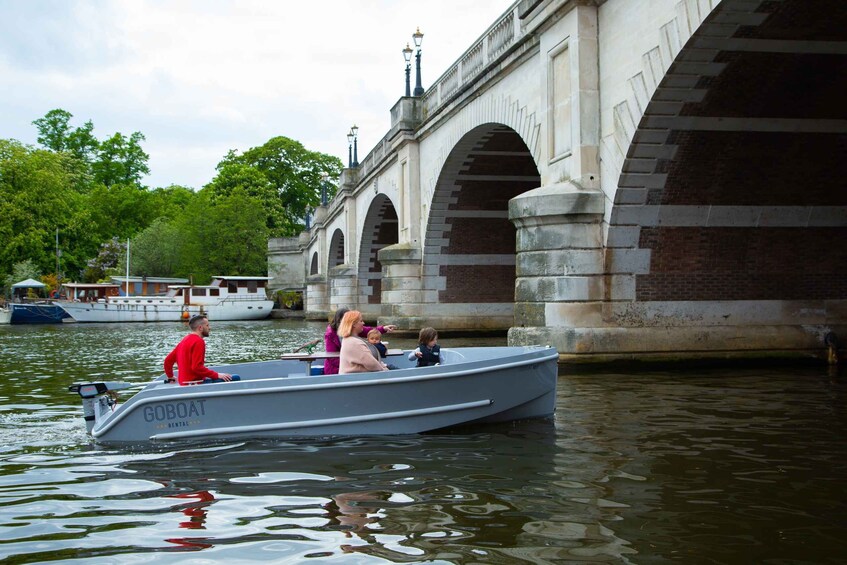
{"type": "Point", "coordinates": [451, 356]}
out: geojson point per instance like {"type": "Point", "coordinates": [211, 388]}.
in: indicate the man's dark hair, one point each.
{"type": "Point", "coordinates": [196, 320]}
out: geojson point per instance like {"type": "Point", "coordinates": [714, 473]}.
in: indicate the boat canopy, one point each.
{"type": "Point", "coordinates": [29, 283]}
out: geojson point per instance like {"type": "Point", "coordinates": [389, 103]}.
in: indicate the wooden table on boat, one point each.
{"type": "Point", "coordinates": [320, 355]}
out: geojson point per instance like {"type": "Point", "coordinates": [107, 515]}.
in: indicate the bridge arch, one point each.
{"type": "Point", "coordinates": [313, 268]}
{"type": "Point", "coordinates": [736, 165]}
{"type": "Point", "coordinates": [469, 254]}
{"type": "Point", "coordinates": [379, 230]}
{"type": "Point", "coordinates": [481, 112]}
{"type": "Point", "coordinates": [335, 256]}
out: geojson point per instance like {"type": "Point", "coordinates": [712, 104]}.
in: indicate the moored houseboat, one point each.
{"type": "Point", "coordinates": [225, 298]}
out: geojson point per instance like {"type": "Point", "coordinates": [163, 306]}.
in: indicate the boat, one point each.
{"type": "Point", "coordinates": [280, 398]}
{"type": "Point", "coordinates": [27, 310]}
{"type": "Point", "coordinates": [226, 298]}
{"type": "Point", "coordinates": [5, 315]}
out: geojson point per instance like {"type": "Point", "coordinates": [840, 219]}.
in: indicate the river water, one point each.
{"type": "Point", "coordinates": [712, 466]}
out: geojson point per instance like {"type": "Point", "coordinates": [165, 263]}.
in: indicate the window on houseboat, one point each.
{"type": "Point", "coordinates": [251, 287]}
{"type": "Point", "coordinates": [232, 287]}
{"type": "Point", "coordinates": [198, 292]}
{"type": "Point", "coordinates": [214, 292]}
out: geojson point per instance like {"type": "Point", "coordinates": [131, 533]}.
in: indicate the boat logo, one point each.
{"type": "Point", "coordinates": [174, 410]}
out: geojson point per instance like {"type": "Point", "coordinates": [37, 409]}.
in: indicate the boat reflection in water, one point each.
{"type": "Point", "coordinates": [195, 510]}
{"type": "Point", "coordinates": [469, 497]}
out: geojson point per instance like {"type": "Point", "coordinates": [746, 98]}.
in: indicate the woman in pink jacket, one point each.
{"type": "Point", "coordinates": [356, 355]}
{"type": "Point", "coordinates": [332, 341]}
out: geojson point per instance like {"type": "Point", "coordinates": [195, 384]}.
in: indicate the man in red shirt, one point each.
{"type": "Point", "coordinates": [190, 356]}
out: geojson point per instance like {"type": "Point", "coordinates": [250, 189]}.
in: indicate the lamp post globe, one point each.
{"type": "Point", "coordinates": [417, 37]}
{"type": "Point", "coordinates": [355, 133]}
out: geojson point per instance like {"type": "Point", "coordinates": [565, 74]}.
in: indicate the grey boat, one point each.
{"type": "Point", "coordinates": [474, 385]}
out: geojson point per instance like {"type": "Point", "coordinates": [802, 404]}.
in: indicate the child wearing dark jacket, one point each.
{"type": "Point", "coordinates": [428, 352]}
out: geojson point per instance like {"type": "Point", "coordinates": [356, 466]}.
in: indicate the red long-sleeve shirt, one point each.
{"type": "Point", "coordinates": [190, 357]}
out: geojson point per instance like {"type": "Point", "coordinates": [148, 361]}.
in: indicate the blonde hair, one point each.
{"type": "Point", "coordinates": [345, 328]}
{"type": "Point", "coordinates": [375, 332]}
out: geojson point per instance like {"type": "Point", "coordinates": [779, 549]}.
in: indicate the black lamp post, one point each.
{"type": "Point", "coordinates": [324, 179]}
{"type": "Point", "coordinates": [407, 54]}
{"type": "Point", "coordinates": [350, 149]}
{"type": "Point", "coordinates": [418, 38]}
{"type": "Point", "coordinates": [353, 137]}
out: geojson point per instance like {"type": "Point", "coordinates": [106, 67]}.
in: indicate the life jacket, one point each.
{"type": "Point", "coordinates": [429, 356]}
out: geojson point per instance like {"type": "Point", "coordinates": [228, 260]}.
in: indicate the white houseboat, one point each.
{"type": "Point", "coordinates": [226, 298]}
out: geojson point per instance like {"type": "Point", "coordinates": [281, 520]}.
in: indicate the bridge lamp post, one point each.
{"type": "Point", "coordinates": [407, 54]}
{"type": "Point", "coordinates": [352, 145]}
{"type": "Point", "coordinates": [418, 38]}
{"type": "Point", "coordinates": [324, 180]}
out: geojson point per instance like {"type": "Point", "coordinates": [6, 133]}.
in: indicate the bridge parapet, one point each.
{"type": "Point", "coordinates": [504, 33]}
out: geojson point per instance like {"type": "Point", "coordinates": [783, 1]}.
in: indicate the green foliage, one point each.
{"type": "Point", "coordinates": [120, 210]}
{"type": "Point", "coordinates": [235, 238]}
{"type": "Point", "coordinates": [53, 129]}
{"type": "Point", "coordinates": [36, 197]}
{"type": "Point", "coordinates": [170, 202]}
{"type": "Point", "coordinates": [283, 175]}
{"type": "Point", "coordinates": [110, 256]}
{"type": "Point", "coordinates": [115, 160]}
{"type": "Point", "coordinates": [22, 270]}
{"type": "Point", "coordinates": [156, 251]}
{"type": "Point", "coordinates": [90, 191]}
{"type": "Point", "coordinates": [121, 160]}
{"type": "Point", "coordinates": [55, 133]}
{"type": "Point", "coordinates": [291, 299]}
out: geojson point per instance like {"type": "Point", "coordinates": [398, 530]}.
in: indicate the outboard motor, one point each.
{"type": "Point", "coordinates": [97, 399]}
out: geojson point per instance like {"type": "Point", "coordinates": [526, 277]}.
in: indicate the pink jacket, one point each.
{"type": "Point", "coordinates": [333, 343]}
{"type": "Point", "coordinates": [356, 357]}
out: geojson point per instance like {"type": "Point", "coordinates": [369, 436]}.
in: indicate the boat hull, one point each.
{"type": "Point", "coordinates": [37, 314]}
{"type": "Point", "coordinates": [278, 399]}
{"type": "Point", "coordinates": [161, 310]}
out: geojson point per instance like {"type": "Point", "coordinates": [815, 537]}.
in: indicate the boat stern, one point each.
{"type": "Point", "coordinates": [98, 399]}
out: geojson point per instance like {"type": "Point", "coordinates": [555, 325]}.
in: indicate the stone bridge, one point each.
{"type": "Point", "coordinates": [620, 179]}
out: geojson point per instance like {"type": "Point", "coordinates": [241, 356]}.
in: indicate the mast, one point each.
{"type": "Point", "coordinates": [127, 267]}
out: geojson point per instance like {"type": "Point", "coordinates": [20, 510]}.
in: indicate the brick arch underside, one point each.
{"type": "Point", "coordinates": [744, 197]}
{"type": "Point", "coordinates": [381, 229]}
{"type": "Point", "coordinates": [335, 256]}
{"type": "Point", "coordinates": [470, 242]}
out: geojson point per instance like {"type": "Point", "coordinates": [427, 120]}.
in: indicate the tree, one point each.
{"type": "Point", "coordinates": [120, 210]}
{"type": "Point", "coordinates": [238, 245]}
{"type": "Point", "coordinates": [156, 251]}
{"type": "Point", "coordinates": [110, 256]}
{"type": "Point", "coordinates": [55, 133]}
{"type": "Point", "coordinates": [121, 160]}
{"type": "Point", "coordinates": [285, 176]}
{"type": "Point", "coordinates": [170, 202]}
{"type": "Point", "coordinates": [21, 271]}
{"type": "Point", "coordinates": [37, 197]}
{"type": "Point", "coordinates": [53, 129]}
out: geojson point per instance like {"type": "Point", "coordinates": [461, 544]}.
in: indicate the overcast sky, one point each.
{"type": "Point", "coordinates": [200, 77]}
